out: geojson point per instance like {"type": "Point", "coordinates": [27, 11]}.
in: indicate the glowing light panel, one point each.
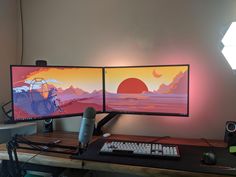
{"type": "Point", "coordinates": [229, 41]}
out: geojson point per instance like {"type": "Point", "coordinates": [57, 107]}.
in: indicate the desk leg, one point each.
{"type": "Point", "coordinates": [4, 169]}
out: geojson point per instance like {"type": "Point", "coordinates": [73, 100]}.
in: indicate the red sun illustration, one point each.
{"type": "Point", "coordinates": [132, 85]}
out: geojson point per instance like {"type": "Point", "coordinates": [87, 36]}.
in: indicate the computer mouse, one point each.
{"type": "Point", "coordinates": [105, 135]}
{"type": "Point", "coordinates": [209, 158]}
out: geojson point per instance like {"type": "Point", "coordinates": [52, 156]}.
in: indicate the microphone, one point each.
{"type": "Point", "coordinates": [86, 128]}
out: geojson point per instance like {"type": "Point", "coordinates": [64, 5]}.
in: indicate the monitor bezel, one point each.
{"type": "Point", "coordinates": [48, 117]}
{"type": "Point", "coordinates": [147, 113]}
{"type": "Point", "coordinates": [104, 95]}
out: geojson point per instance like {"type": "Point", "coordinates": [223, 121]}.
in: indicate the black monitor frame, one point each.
{"type": "Point", "coordinates": [46, 117]}
{"type": "Point", "coordinates": [104, 95]}
{"type": "Point", "coordinates": [147, 113]}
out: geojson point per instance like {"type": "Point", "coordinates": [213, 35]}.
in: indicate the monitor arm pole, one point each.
{"type": "Point", "coordinates": [101, 123]}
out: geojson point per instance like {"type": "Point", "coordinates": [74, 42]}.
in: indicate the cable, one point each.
{"type": "Point", "coordinates": [7, 109]}
{"type": "Point", "coordinates": [22, 33]}
{"type": "Point", "coordinates": [23, 165]}
{"type": "Point", "coordinates": [46, 146]}
{"type": "Point", "coordinates": [156, 140]}
{"type": "Point", "coordinates": [208, 143]}
{"type": "Point", "coordinates": [15, 143]}
{"type": "Point", "coordinates": [29, 143]}
{"type": "Point", "coordinates": [41, 149]}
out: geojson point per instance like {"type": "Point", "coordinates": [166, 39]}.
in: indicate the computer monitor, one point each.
{"type": "Point", "coordinates": [155, 90]}
{"type": "Point", "coordinates": [55, 91]}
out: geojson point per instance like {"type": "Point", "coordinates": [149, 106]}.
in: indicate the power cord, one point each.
{"type": "Point", "coordinates": [156, 140]}
{"type": "Point", "coordinates": [209, 144]}
{"type": "Point", "coordinates": [23, 140]}
{"type": "Point", "coordinates": [22, 33]}
{"type": "Point", "coordinates": [23, 165]}
{"type": "Point", "coordinates": [17, 169]}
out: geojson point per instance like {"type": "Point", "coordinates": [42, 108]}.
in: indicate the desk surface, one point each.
{"type": "Point", "coordinates": [16, 125]}
{"type": "Point", "coordinates": [70, 139]}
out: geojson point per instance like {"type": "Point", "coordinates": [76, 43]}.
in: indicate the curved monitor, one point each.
{"type": "Point", "coordinates": [55, 91]}
{"type": "Point", "coordinates": [155, 90]}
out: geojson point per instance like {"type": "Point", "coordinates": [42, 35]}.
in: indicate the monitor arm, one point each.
{"type": "Point", "coordinates": [101, 123]}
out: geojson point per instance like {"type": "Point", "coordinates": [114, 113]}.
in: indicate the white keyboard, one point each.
{"type": "Point", "coordinates": [129, 148]}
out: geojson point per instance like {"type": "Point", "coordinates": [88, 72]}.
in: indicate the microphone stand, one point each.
{"type": "Point", "coordinates": [18, 171]}
{"type": "Point", "coordinates": [11, 149]}
{"type": "Point", "coordinates": [82, 148]}
{"type": "Point", "coordinates": [12, 145]}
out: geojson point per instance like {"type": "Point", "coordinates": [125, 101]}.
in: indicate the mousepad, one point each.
{"type": "Point", "coordinates": [190, 159]}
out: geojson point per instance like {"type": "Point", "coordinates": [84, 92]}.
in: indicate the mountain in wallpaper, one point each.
{"type": "Point", "coordinates": [30, 104]}
{"type": "Point", "coordinates": [72, 90]}
{"type": "Point", "coordinates": [171, 98]}
{"type": "Point", "coordinates": [177, 86]}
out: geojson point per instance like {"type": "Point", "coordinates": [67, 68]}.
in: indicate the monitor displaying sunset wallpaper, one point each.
{"type": "Point", "coordinates": [40, 92]}
{"type": "Point", "coordinates": [149, 89]}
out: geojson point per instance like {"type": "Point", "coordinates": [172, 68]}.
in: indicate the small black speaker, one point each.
{"type": "Point", "coordinates": [230, 133]}
{"type": "Point", "coordinates": [48, 125]}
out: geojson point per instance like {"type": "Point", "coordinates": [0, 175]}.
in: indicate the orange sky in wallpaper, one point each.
{"type": "Point", "coordinates": [65, 77]}
{"type": "Point", "coordinates": [153, 77]}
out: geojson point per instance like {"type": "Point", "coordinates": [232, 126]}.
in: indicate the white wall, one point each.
{"type": "Point", "coordinates": [140, 32]}
{"type": "Point", "coordinates": [8, 46]}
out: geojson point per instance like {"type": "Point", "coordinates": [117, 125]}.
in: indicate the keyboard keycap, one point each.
{"type": "Point", "coordinates": [140, 149]}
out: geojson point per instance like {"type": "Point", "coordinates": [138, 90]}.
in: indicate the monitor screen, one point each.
{"type": "Point", "coordinates": [159, 90]}
{"type": "Point", "coordinates": [53, 91]}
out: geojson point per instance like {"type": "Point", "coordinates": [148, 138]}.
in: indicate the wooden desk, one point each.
{"type": "Point", "coordinates": [23, 128]}
{"type": "Point", "coordinates": [63, 160]}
